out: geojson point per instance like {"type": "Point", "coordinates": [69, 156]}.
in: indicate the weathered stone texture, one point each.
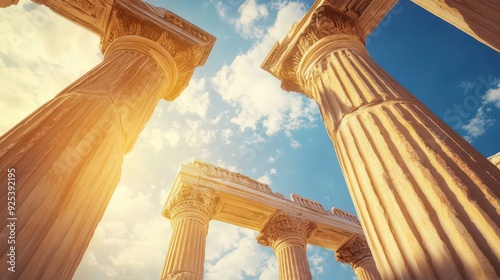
{"type": "Point", "coordinates": [287, 235]}
{"type": "Point", "coordinates": [427, 200]}
{"type": "Point", "coordinates": [477, 18]}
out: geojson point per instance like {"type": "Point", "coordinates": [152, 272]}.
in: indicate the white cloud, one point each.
{"type": "Point", "coordinates": [467, 86]}
{"type": "Point", "coordinates": [273, 171]}
{"type": "Point", "coordinates": [294, 144]}
{"type": "Point", "coordinates": [479, 124]}
{"type": "Point", "coordinates": [159, 135]}
{"type": "Point", "coordinates": [129, 243]}
{"type": "Point", "coordinates": [40, 54]}
{"type": "Point", "coordinates": [250, 12]}
{"type": "Point", "coordinates": [221, 239]}
{"type": "Point", "coordinates": [246, 258]}
{"type": "Point", "coordinates": [493, 96]}
{"type": "Point", "coordinates": [316, 262]}
{"type": "Point", "coordinates": [172, 137]}
{"type": "Point", "coordinates": [194, 99]}
{"type": "Point", "coordinates": [231, 166]}
{"type": "Point", "coordinates": [195, 135]}
{"type": "Point", "coordinates": [265, 179]}
{"type": "Point", "coordinates": [226, 135]}
{"type": "Point", "coordinates": [273, 159]}
{"type": "Point", "coordinates": [247, 23]}
{"type": "Point", "coordinates": [270, 272]}
{"type": "Point", "coordinates": [255, 94]}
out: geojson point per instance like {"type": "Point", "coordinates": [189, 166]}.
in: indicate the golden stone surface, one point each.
{"type": "Point", "coordinates": [202, 192]}
{"type": "Point", "coordinates": [69, 152]}
{"type": "Point", "coordinates": [427, 200]}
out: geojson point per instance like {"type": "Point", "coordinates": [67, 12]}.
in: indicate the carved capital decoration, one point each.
{"type": "Point", "coordinates": [354, 251]}
{"type": "Point", "coordinates": [188, 197]}
{"type": "Point", "coordinates": [188, 44]}
{"type": "Point", "coordinates": [283, 225]}
{"type": "Point", "coordinates": [284, 59]}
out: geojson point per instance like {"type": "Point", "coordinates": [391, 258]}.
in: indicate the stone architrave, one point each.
{"type": "Point", "coordinates": [190, 211]}
{"type": "Point", "coordinates": [478, 18]}
{"type": "Point", "coordinates": [202, 192]}
{"type": "Point", "coordinates": [357, 254]}
{"type": "Point", "coordinates": [68, 154]}
{"type": "Point", "coordinates": [287, 235]}
{"type": "Point", "coordinates": [7, 3]}
{"type": "Point", "coordinates": [427, 200]}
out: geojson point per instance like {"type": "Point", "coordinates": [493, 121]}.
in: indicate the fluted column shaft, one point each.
{"type": "Point", "coordinates": [186, 253]}
{"type": "Point", "coordinates": [427, 200]}
{"type": "Point", "coordinates": [358, 255]}
{"type": "Point", "coordinates": [68, 156]}
{"type": "Point", "coordinates": [291, 252]}
{"type": "Point", "coordinates": [477, 18]}
{"type": "Point", "coordinates": [190, 210]}
{"type": "Point", "coordinates": [287, 235]}
{"type": "Point", "coordinates": [367, 269]}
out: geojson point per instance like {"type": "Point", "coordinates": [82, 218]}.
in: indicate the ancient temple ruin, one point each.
{"type": "Point", "coordinates": [202, 192]}
{"type": "Point", "coordinates": [427, 200]}
{"type": "Point", "coordinates": [428, 209]}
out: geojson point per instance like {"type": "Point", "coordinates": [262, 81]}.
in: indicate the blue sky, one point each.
{"type": "Point", "coordinates": [233, 114]}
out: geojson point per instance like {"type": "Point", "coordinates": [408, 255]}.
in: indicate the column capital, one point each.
{"type": "Point", "coordinates": [188, 44]}
{"type": "Point", "coordinates": [345, 23]}
{"type": "Point", "coordinates": [193, 201]}
{"type": "Point", "coordinates": [283, 225]}
{"type": "Point", "coordinates": [354, 251]}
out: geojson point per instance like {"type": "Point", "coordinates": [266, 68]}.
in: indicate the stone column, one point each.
{"type": "Point", "coordinates": [287, 236]}
{"type": "Point", "coordinates": [190, 211]}
{"type": "Point", "coordinates": [68, 154]}
{"type": "Point", "coordinates": [427, 200]}
{"type": "Point", "coordinates": [495, 159]}
{"type": "Point", "coordinates": [7, 3]}
{"type": "Point", "coordinates": [477, 18]}
{"type": "Point", "coordinates": [358, 255]}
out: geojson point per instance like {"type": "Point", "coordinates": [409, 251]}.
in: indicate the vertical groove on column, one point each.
{"type": "Point", "coordinates": [293, 263]}
{"type": "Point", "coordinates": [460, 219]}
{"type": "Point", "coordinates": [348, 86]}
{"type": "Point", "coordinates": [373, 198]}
{"type": "Point", "coordinates": [421, 194]}
{"type": "Point", "coordinates": [88, 217]}
{"type": "Point", "coordinates": [68, 156]}
{"type": "Point", "coordinates": [354, 87]}
{"type": "Point", "coordinates": [366, 72]}
{"type": "Point", "coordinates": [186, 252]}
{"type": "Point", "coordinates": [365, 89]}
{"type": "Point", "coordinates": [387, 196]}
{"type": "Point", "coordinates": [412, 196]}
{"type": "Point", "coordinates": [416, 217]}
{"type": "Point", "coordinates": [334, 73]}
{"type": "Point", "coordinates": [362, 207]}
